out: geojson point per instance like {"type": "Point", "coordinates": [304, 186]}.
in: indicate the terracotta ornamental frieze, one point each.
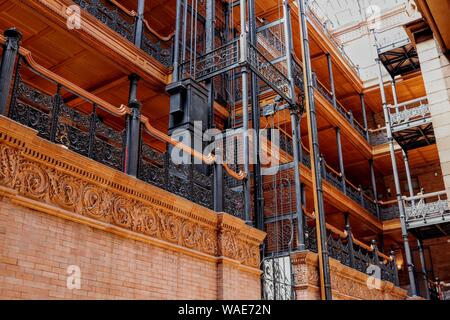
{"type": "Point", "coordinates": [33, 171]}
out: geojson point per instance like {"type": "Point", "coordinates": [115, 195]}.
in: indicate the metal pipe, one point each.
{"type": "Point", "coordinates": [424, 268]}
{"type": "Point", "coordinates": [364, 114]}
{"type": "Point", "coordinates": [408, 174]}
{"type": "Point", "coordinates": [396, 177]}
{"type": "Point", "coordinates": [324, 268]}
{"type": "Point", "coordinates": [341, 159]}
{"type": "Point", "coordinates": [133, 129]}
{"type": "Point", "coordinates": [295, 124]}
{"type": "Point", "coordinates": [394, 95]}
{"type": "Point", "coordinates": [139, 31]}
{"type": "Point", "coordinates": [351, 248]}
{"type": "Point", "coordinates": [176, 49]}
{"type": "Point", "coordinates": [374, 187]}
{"type": "Point", "coordinates": [9, 57]}
{"type": "Point", "coordinates": [331, 75]}
{"type": "Point", "coordinates": [218, 183]}
{"type": "Point", "coordinates": [257, 180]}
{"type": "Point", "coordinates": [245, 142]}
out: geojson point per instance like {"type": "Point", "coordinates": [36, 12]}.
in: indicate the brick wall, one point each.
{"type": "Point", "coordinates": [36, 249]}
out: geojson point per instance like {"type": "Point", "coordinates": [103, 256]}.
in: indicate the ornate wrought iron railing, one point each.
{"type": "Point", "coordinates": [124, 23]}
{"type": "Point", "coordinates": [427, 209]}
{"type": "Point", "coordinates": [354, 253]}
{"type": "Point", "coordinates": [277, 278]}
{"type": "Point", "coordinates": [378, 137]}
{"type": "Point", "coordinates": [67, 115]}
{"type": "Point", "coordinates": [409, 114]}
{"type": "Point", "coordinates": [389, 211]}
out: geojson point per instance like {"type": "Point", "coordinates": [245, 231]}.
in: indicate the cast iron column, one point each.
{"type": "Point", "coordinates": [331, 75]}
{"type": "Point", "coordinates": [396, 177]}
{"type": "Point", "coordinates": [324, 267]}
{"type": "Point", "coordinates": [139, 31]}
{"type": "Point", "coordinates": [351, 248]}
{"type": "Point", "coordinates": [364, 114]}
{"type": "Point", "coordinates": [424, 268]}
{"type": "Point", "coordinates": [176, 41]}
{"type": "Point", "coordinates": [257, 178]}
{"type": "Point", "coordinates": [133, 129]}
{"type": "Point", "coordinates": [9, 57]}
{"type": "Point", "coordinates": [341, 159]}
{"type": "Point", "coordinates": [374, 186]}
{"type": "Point", "coordinates": [245, 142]}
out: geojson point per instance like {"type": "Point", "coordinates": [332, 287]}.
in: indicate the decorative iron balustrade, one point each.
{"type": "Point", "coordinates": [268, 72]}
{"type": "Point", "coordinates": [378, 137]}
{"type": "Point", "coordinates": [409, 114]}
{"type": "Point", "coordinates": [389, 212]}
{"type": "Point", "coordinates": [84, 127]}
{"type": "Point", "coordinates": [277, 279]}
{"type": "Point", "coordinates": [427, 209]}
{"type": "Point", "coordinates": [213, 63]}
{"type": "Point", "coordinates": [125, 26]}
{"type": "Point", "coordinates": [352, 256]}
{"type": "Point", "coordinates": [82, 132]}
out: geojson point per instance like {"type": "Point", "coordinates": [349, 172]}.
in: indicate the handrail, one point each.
{"type": "Point", "coordinates": [344, 235]}
{"type": "Point", "coordinates": [120, 111]}
{"type": "Point", "coordinates": [26, 54]}
{"type": "Point", "coordinates": [133, 14]}
{"type": "Point", "coordinates": [209, 159]}
{"type": "Point", "coordinates": [425, 196]}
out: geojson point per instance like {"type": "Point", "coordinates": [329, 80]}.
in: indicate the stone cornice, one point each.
{"type": "Point", "coordinates": [49, 178]}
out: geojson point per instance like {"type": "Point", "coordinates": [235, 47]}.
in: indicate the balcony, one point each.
{"type": "Point", "coordinates": [123, 22]}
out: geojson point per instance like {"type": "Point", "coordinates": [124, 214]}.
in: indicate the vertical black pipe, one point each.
{"type": "Point", "coordinates": [364, 114]}
{"type": "Point", "coordinates": [176, 48]}
{"type": "Point", "coordinates": [139, 30]}
{"type": "Point", "coordinates": [374, 187]}
{"type": "Point", "coordinates": [325, 280]}
{"type": "Point", "coordinates": [218, 182]}
{"type": "Point", "coordinates": [401, 206]}
{"type": "Point", "coordinates": [394, 261]}
{"type": "Point", "coordinates": [133, 129]}
{"type": "Point", "coordinates": [298, 187]}
{"type": "Point", "coordinates": [424, 269]}
{"type": "Point", "coordinates": [9, 57]}
{"type": "Point", "coordinates": [351, 248]}
{"type": "Point", "coordinates": [341, 159]}
{"type": "Point", "coordinates": [331, 75]}
{"type": "Point", "coordinates": [245, 138]}
{"type": "Point", "coordinates": [257, 178]}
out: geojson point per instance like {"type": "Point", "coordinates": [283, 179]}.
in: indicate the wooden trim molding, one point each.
{"type": "Point", "coordinates": [101, 38]}
{"type": "Point", "coordinates": [47, 177]}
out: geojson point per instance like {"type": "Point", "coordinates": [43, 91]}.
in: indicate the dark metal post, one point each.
{"type": "Point", "coordinates": [139, 30]}
{"type": "Point", "coordinates": [364, 114]}
{"type": "Point", "coordinates": [133, 129]}
{"type": "Point", "coordinates": [324, 268]}
{"type": "Point", "coordinates": [408, 173]}
{"type": "Point", "coordinates": [351, 248]}
{"type": "Point", "coordinates": [424, 268]}
{"type": "Point", "coordinates": [361, 195]}
{"type": "Point", "coordinates": [331, 75]}
{"type": "Point", "coordinates": [396, 177]}
{"type": "Point", "coordinates": [9, 57]}
{"type": "Point", "coordinates": [350, 114]}
{"type": "Point", "coordinates": [295, 124]}
{"type": "Point", "coordinates": [375, 257]}
{"type": "Point", "coordinates": [374, 187]}
{"type": "Point", "coordinates": [218, 182]}
{"type": "Point", "coordinates": [257, 178]}
{"type": "Point", "coordinates": [298, 187]}
{"type": "Point", "coordinates": [341, 159]}
{"type": "Point", "coordinates": [395, 268]}
{"type": "Point", "coordinates": [176, 48]}
{"type": "Point", "coordinates": [245, 140]}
